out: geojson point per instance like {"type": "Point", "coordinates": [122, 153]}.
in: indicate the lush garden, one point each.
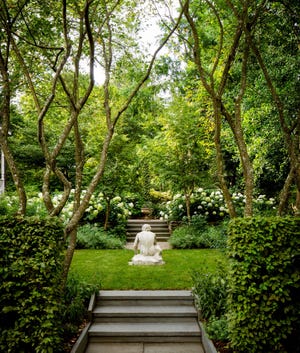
{"type": "Point", "coordinates": [199, 124]}
{"type": "Point", "coordinates": [244, 274]}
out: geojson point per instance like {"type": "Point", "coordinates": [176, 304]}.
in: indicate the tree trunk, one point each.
{"type": "Point", "coordinates": [220, 163]}
{"type": "Point", "coordinates": [188, 206]}
{"type": "Point", "coordinates": [16, 178]}
{"type": "Point", "coordinates": [107, 214]}
{"type": "Point", "coordinates": [69, 253]}
{"type": "Point", "coordinates": [247, 172]}
{"type": "Point", "coordinates": [285, 192]}
{"type": "Point", "coordinates": [5, 122]}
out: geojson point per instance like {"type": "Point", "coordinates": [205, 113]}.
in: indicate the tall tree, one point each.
{"type": "Point", "coordinates": [214, 56]}
{"type": "Point", "coordinates": [9, 82]}
{"type": "Point", "coordinates": [90, 31]}
{"type": "Point", "coordinates": [229, 43]}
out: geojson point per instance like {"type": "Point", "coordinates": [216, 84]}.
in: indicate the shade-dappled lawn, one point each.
{"type": "Point", "coordinates": [110, 268]}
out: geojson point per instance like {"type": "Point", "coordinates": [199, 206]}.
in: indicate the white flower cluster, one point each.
{"type": "Point", "coordinates": [209, 203]}
{"type": "Point", "coordinates": [120, 209]}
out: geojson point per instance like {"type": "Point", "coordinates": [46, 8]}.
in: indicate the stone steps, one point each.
{"type": "Point", "coordinates": [160, 228]}
{"type": "Point", "coordinates": [144, 317]}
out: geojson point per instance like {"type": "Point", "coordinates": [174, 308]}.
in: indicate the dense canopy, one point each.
{"type": "Point", "coordinates": [130, 98]}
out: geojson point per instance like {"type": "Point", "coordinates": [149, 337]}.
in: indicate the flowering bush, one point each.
{"type": "Point", "coordinates": [211, 204]}
{"type": "Point", "coordinates": [120, 208]}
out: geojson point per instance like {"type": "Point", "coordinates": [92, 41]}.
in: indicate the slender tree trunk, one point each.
{"type": "Point", "coordinates": [69, 253]}
{"type": "Point", "coordinates": [188, 206]}
{"type": "Point", "coordinates": [16, 177]}
{"type": "Point", "coordinates": [5, 122]}
{"type": "Point", "coordinates": [107, 214]}
{"type": "Point", "coordinates": [284, 194]}
{"type": "Point", "coordinates": [220, 163]}
{"type": "Point", "coordinates": [247, 172]}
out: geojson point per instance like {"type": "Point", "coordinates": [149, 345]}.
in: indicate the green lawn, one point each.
{"type": "Point", "coordinates": [110, 268]}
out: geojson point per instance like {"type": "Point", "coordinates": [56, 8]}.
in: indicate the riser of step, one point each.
{"type": "Point", "coordinates": [133, 232]}
{"type": "Point", "coordinates": [145, 311]}
{"type": "Point", "coordinates": [157, 232]}
{"type": "Point", "coordinates": [154, 330]}
{"type": "Point", "coordinates": [153, 229]}
{"type": "Point", "coordinates": [153, 226]}
{"type": "Point", "coordinates": [145, 295]}
{"type": "Point", "coordinates": [144, 302]}
{"type": "Point", "coordinates": [142, 319]}
{"type": "Point", "coordinates": [145, 339]}
{"type": "Point", "coordinates": [148, 221]}
{"type": "Point", "coordinates": [158, 238]}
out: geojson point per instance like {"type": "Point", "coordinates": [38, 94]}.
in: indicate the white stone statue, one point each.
{"type": "Point", "coordinates": [150, 252]}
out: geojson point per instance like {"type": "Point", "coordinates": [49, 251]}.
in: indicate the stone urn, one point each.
{"type": "Point", "coordinates": [146, 212]}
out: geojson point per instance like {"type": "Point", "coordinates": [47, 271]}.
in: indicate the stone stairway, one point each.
{"type": "Point", "coordinates": [160, 228]}
{"type": "Point", "coordinates": [144, 322]}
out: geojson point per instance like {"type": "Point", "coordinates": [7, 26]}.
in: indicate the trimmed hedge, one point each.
{"type": "Point", "coordinates": [31, 261]}
{"type": "Point", "coordinates": [264, 285]}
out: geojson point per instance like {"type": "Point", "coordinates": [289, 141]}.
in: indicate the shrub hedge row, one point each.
{"type": "Point", "coordinates": [264, 285]}
{"type": "Point", "coordinates": [30, 284]}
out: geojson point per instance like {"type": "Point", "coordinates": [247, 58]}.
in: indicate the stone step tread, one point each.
{"type": "Point", "coordinates": [145, 329]}
{"type": "Point", "coordinates": [145, 311]}
{"type": "Point", "coordinates": [145, 294]}
{"type": "Point", "coordinates": [140, 347]}
{"type": "Point", "coordinates": [153, 225]}
{"type": "Point", "coordinates": [158, 237]}
{"type": "Point", "coordinates": [154, 230]}
{"type": "Point", "coordinates": [158, 234]}
{"type": "Point", "coordinates": [148, 221]}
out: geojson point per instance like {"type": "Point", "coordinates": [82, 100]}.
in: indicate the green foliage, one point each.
{"type": "Point", "coordinates": [264, 284]}
{"type": "Point", "coordinates": [217, 328]}
{"type": "Point", "coordinates": [199, 235]}
{"type": "Point", "coordinates": [76, 299]}
{"type": "Point", "coordinates": [30, 287]}
{"type": "Point", "coordinates": [8, 205]}
{"type": "Point", "coordinates": [210, 292]}
{"type": "Point", "coordinates": [93, 237]}
{"type": "Point", "coordinates": [185, 237]}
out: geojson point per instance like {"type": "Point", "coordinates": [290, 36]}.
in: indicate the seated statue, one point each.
{"type": "Point", "coordinates": [150, 252]}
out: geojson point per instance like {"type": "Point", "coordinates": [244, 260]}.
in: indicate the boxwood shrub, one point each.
{"type": "Point", "coordinates": [264, 284]}
{"type": "Point", "coordinates": [30, 284]}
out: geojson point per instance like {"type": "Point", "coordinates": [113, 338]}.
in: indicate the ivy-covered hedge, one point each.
{"type": "Point", "coordinates": [264, 285]}
{"type": "Point", "coordinates": [30, 284]}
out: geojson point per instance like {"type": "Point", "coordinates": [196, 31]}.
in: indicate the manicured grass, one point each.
{"type": "Point", "coordinates": [110, 268]}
